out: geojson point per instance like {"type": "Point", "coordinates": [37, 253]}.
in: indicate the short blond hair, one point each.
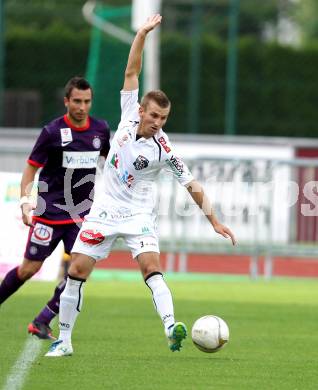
{"type": "Point", "coordinates": [158, 97]}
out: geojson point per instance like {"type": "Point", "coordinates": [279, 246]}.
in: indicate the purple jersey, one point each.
{"type": "Point", "coordinates": [68, 157]}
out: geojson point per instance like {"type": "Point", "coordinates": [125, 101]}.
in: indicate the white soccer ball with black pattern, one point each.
{"type": "Point", "coordinates": [210, 333]}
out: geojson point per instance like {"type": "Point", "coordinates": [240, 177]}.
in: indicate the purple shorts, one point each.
{"type": "Point", "coordinates": [43, 239]}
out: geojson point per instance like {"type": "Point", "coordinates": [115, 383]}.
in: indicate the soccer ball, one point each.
{"type": "Point", "coordinates": [210, 333]}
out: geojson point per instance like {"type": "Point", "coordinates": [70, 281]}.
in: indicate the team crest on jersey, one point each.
{"type": "Point", "coordinates": [141, 163]}
{"type": "Point", "coordinates": [66, 136]}
{"type": "Point", "coordinates": [97, 142]}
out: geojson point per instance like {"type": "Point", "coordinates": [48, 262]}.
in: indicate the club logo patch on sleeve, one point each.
{"type": "Point", "coordinates": [121, 141]}
{"type": "Point", "coordinates": [92, 237]}
{"type": "Point", "coordinates": [114, 161]}
{"type": "Point", "coordinates": [163, 143]}
{"type": "Point", "coordinates": [42, 234]}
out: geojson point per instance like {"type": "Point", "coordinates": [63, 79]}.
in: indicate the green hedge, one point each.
{"type": "Point", "coordinates": [45, 61]}
{"type": "Point", "coordinates": [276, 94]}
{"type": "Point", "coordinates": [276, 91]}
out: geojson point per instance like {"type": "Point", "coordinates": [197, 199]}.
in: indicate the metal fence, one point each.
{"type": "Point", "coordinates": [270, 205]}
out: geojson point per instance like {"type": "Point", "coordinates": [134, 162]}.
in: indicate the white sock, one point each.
{"type": "Point", "coordinates": [70, 305]}
{"type": "Point", "coordinates": [162, 299]}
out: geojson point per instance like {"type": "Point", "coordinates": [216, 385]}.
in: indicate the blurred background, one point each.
{"type": "Point", "coordinates": [241, 75]}
{"type": "Point", "coordinates": [241, 66]}
{"type": "Point", "coordinates": [242, 79]}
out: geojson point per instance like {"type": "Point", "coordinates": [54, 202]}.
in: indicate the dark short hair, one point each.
{"type": "Point", "coordinates": [77, 82]}
{"type": "Point", "coordinates": [158, 97]}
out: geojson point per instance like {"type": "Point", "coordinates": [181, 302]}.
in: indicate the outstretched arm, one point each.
{"type": "Point", "coordinates": [134, 62]}
{"type": "Point", "coordinates": [198, 195]}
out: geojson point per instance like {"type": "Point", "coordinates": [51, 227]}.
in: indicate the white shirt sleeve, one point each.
{"type": "Point", "coordinates": [172, 162]}
{"type": "Point", "coordinates": [129, 106]}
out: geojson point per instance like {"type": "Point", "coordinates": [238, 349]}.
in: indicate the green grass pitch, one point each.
{"type": "Point", "coordinates": [119, 341]}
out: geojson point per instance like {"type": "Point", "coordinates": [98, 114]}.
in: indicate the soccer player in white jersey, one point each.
{"type": "Point", "coordinates": [139, 151]}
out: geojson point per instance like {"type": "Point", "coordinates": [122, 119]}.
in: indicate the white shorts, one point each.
{"type": "Point", "coordinates": [96, 239]}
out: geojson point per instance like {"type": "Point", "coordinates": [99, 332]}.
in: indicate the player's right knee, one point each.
{"type": "Point", "coordinates": [78, 271]}
{"type": "Point", "coordinates": [81, 266]}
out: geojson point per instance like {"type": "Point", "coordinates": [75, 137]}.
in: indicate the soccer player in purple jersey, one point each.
{"type": "Point", "coordinates": [139, 151]}
{"type": "Point", "coordinates": [67, 150]}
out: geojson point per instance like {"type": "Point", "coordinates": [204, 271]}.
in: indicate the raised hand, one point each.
{"type": "Point", "coordinates": [134, 62]}
{"type": "Point", "coordinates": [152, 22]}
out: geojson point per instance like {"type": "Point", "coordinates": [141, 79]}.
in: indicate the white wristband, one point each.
{"type": "Point", "coordinates": [25, 199]}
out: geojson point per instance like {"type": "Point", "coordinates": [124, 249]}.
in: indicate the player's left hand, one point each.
{"type": "Point", "coordinates": [26, 209]}
{"type": "Point", "coordinates": [152, 22]}
{"type": "Point", "coordinates": [225, 232]}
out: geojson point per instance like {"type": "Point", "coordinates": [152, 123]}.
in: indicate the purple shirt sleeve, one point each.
{"type": "Point", "coordinates": [105, 149]}
{"type": "Point", "coordinates": [38, 156]}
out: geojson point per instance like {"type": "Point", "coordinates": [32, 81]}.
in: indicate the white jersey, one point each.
{"type": "Point", "coordinates": [132, 166]}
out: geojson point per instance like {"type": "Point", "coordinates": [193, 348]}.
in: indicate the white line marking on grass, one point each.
{"type": "Point", "coordinates": [19, 371]}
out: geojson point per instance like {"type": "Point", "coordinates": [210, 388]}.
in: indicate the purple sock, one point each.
{"type": "Point", "coordinates": [10, 284]}
{"type": "Point", "coordinates": [46, 316]}
{"type": "Point", "coordinates": [52, 308]}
